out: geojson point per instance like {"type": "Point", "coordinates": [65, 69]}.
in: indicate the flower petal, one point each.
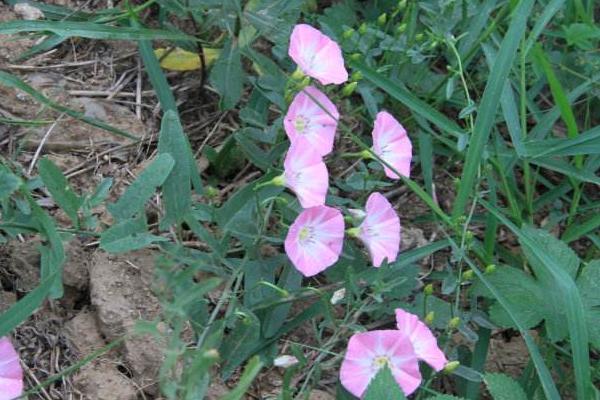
{"type": "Point", "coordinates": [317, 55]}
{"type": "Point", "coordinates": [306, 174]}
{"type": "Point", "coordinates": [392, 144]}
{"type": "Point", "coordinates": [422, 339]}
{"type": "Point", "coordinates": [380, 230]}
{"type": "Point", "coordinates": [11, 373]}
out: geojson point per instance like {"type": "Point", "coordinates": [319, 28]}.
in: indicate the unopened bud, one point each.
{"type": "Point", "coordinates": [401, 28]}
{"type": "Point", "coordinates": [355, 56]}
{"type": "Point", "coordinates": [428, 289]}
{"type": "Point", "coordinates": [401, 5]}
{"type": "Point", "coordinates": [366, 154]}
{"type": "Point", "coordinates": [338, 296]}
{"type": "Point", "coordinates": [349, 88]}
{"type": "Point", "coordinates": [490, 269]}
{"type": "Point", "coordinates": [211, 192]}
{"type": "Point", "coordinates": [429, 317]}
{"type": "Point", "coordinates": [382, 19]}
{"type": "Point", "coordinates": [212, 354]}
{"type": "Point", "coordinates": [362, 29]}
{"type": "Point", "coordinates": [468, 275]}
{"type": "Point", "coordinates": [353, 232]}
{"type": "Point", "coordinates": [419, 37]}
{"type": "Point", "coordinates": [348, 33]}
{"type": "Point", "coordinates": [454, 323]}
{"type": "Point", "coordinates": [285, 361]}
{"type": "Point", "coordinates": [469, 235]}
{"type": "Point", "coordinates": [298, 75]}
{"type": "Point", "coordinates": [356, 76]}
{"type": "Point", "coordinates": [451, 366]}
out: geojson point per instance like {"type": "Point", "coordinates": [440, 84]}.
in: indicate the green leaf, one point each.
{"type": "Point", "coordinates": [503, 387]}
{"type": "Point", "coordinates": [138, 193]}
{"type": "Point", "coordinates": [589, 224]}
{"type": "Point", "coordinates": [241, 342]}
{"type": "Point", "coordinates": [589, 288]}
{"type": "Point", "coordinates": [23, 308]}
{"type": "Point", "coordinates": [226, 75]}
{"type": "Point", "coordinates": [177, 189]}
{"type": "Point", "coordinates": [582, 35]}
{"type": "Point", "coordinates": [59, 188]}
{"type": "Point", "coordinates": [383, 387]}
{"type": "Point", "coordinates": [565, 296]}
{"type": "Point", "coordinates": [90, 30]}
{"type": "Point", "coordinates": [12, 81]}
{"type": "Point", "coordinates": [128, 235]}
{"type": "Point", "coordinates": [9, 183]}
{"type": "Point", "coordinates": [486, 116]}
{"type": "Point", "coordinates": [586, 143]}
{"type": "Point", "coordinates": [250, 372]}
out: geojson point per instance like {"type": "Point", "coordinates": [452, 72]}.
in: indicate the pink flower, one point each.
{"type": "Point", "coordinates": [305, 118]}
{"type": "Point", "coordinates": [306, 174]}
{"type": "Point", "coordinates": [369, 351]}
{"type": "Point", "coordinates": [380, 230]}
{"type": "Point", "coordinates": [422, 339]}
{"type": "Point", "coordinates": [317, 55]}
{"type": "Point", "coordinates": [391, 143]}
{"type": "Point", "coordinates": [11, 374]}
{"type": "Point", "coordinates": [314, 241]}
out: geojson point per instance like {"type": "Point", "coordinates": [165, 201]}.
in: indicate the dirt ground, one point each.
{"type": "Point", "coordinates": [105, 294]}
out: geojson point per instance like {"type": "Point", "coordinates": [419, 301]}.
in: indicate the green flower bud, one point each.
{"type": "Point", "coordinates": [382, 19]}
{"type": "Point", "coordinates": [298, 75]}
{"type": "Point", "coordinates": [349, 88]}
{"type": "Point", "coordinates": [451, 367]}
{"type": "Point", "coordinates": [401, 28]}
{"type": "Point", "coordinates": [468, 275]}
{"type": "Point", "coordinates": [356, 56]}
{"type": "Point", "coordinates": [454, 323]}
{"type": "Point", "coordinates": [401, 5]}
{"type": "Point", "coordinates": [356, 76]}
{"type": "Point", "coordinates": [348, 33]}
{"type": "Point", "coordinates": [490, 269]}
{"type": "Point", "coordinates": [353, 232]}
{"type": "Point", "coordinates": [429, 317]}
{"type": "Point", "coordinates": [362, 29]}
{"type": "Point", "coordinates": [428, 289]}
{"type": "Point", "coordinates": [419, 37]}
{"type": "Point", "coordinates": [211, 192]}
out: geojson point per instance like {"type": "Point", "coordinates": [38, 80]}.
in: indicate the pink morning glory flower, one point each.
{"type": "Point", "coordinates": [314, 241]}
{"type": "Point", "coordinates": [392, 145]}
{"type": "Point", "coordinates": [369, 351]}
{"type": "Point", "coordinates": [422, 339]}
{"type": "Point", "coordinates": [317, 55]}
{"type": "Point", "coordinates": [380, 229]}
{"type": "Point", "coordinates": [305, 118]}
{"type": "Point", "coordinates": [305, 174]}
{"type": "Point", "coordinates": [11, 374]}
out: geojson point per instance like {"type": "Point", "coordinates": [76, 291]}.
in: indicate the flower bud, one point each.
{"type": "Point", "coordinates": [429, 317]}
{"type": "Point", "coordinates": [401, 28]}
{"type": "Point", "coordinates": [353, 232]}
{"type": "Point", "coordinates": [419, 37]}
{"type": "Point", "coordinates": [468, 275]}
{"type": "Point", "coordinates": [212, 354]}
{"type": "Point", "coordinates": [285, 361]}
{"type": "Point", "coordinates": [210, 192]}
{"type": "Point", "coordinates": [382, 19]}
{"type": "Point", "coordinates": [349, 88]}
{"type": "Point", "coordinates": [356, 76]}
{"type": "Point", "coordinates": [338, 296]}
{"type": "Point", "coordinates": [428, 289]}
{"type": "Point", "coordinates": [451, 367]}
{"type": "Point", "coordinates": [348, 33]}
{"type": "Point", "coordinates": [490, 269]}
{"type": "Point", "coordinates": [298, 75]}
{"type": "Point", "coordinates": [454, 323]}
{"type": "Point", "coordinates": [356, 56]}
{"type": "Point", "coordinates": [362, 29]}
{"type": "Point", "coordinates": [366, 155]}
{"type": "Point", "coordinates": [401, 5]}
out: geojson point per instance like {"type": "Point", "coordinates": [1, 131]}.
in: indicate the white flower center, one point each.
{"type": "Point", "coordinates": [381, 361]}
{"type": "Point", "coordinates": [306, 235]}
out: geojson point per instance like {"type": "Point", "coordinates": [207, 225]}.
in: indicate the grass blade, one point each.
{"type": "Point", "coordinates": [90, 30]}
{"type": "Point", "coordinates": [489, 103]}
{"type": "Point", "coordinates": [404, 96]}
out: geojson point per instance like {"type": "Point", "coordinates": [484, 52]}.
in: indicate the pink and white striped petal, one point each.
{"type": "Point", "coordinates": [422, 339]}
{"type": "Point", "coordinates": [317, 55]}
{"type": "Point", "coordinates": [306, 174]}
{"type": "Point", "coordinates": [380, 230]}
{"type": "Point", "coordinates": [11, 373]}
{"type": "Point", "coordinates": [369, 351]}
{"type": "Point", "coordinates": [315, 239]}
{"type": "Point", "coordinates": [306, 118]}
{"type": "Point", "coordinates": [392, 144]}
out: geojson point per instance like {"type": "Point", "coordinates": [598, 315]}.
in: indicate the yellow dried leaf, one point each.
{"type": "Point", "coordinates": [182, 60]}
